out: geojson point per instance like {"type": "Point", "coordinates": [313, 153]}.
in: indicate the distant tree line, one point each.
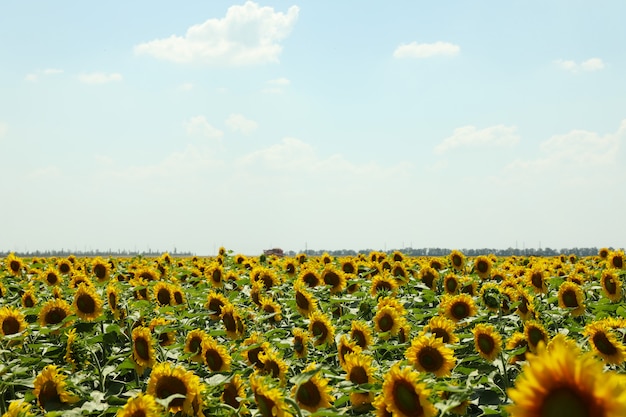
{"type": "Point", "coordinates": [93, 253]}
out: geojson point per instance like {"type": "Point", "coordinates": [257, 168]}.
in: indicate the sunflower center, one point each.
{"type": "Point", "coordinates": [29, 302]}
{"type": "Point", "coordinates": [482, 267]}
{"type": "Point", "coordinates": [10, 325]}
{"type": "Point", "coordinates": [229, 322]}
{"type": "Point", "coordinates": [618, 262]}
{"type": "Point", "coordinates": [64, 268]}
{"type": "Point", "coordinates": [253, 356]}
{"type": "Point", "coordinates": [266, 405]}
{"type": "Point", "coordinates": [195, 344]}
{"type": "Point", "coordinates": [385, 323]}
{"type": "Point", "coordinates": [298, 344]}
{"type": "Point", "coordinates": [52, 278]}
{"type": "Point", "coordinates": [406, 399]}
{"type": "Point", "coordinates": [49, 397]}
{"type": "Point", "coordinates": [216, 276]}
{"type": "Point", "coordinates": [216, 305]}
{"type": "Point", "coordinates": [55, 315]}
{"type": "Point", "coordinates": [213, 360]}
{"type": "Point", "coordinates": [359, 338]}
{"type": "Point", "coordinates": [230, 395]}
{"type": "Point", "coordinates": [457, 261]}
{"type": "Point", "coordinates": [15, 266]}
{"type": "Point", "coordinates": [535, 335]}
{"type": "Point", "coordinates": [302, 301]}
{"type": "Point", "coordinates": [170, 385]}
{"type": "Point", "coordinates": [310, 279]}
{"type": "Point", "coordinates": [564, 402]}
{"type": "Point", "coordinates": [610, 285]}
{"type": "Point", "coordinates": [441, 333]}
{"type": "Point", "coordinates": [142, 349]}
{"type": "Point", "coordinates": [358, 375]}
{"type": "Point", "coordinates": [164, 297]}
{"type": "Point", "coordinates": [460, 310]}
{"type": "Point", "coordinates": [486, 344]}
{"type": "Point", "coordinates": [537, 280]}
{"type": "Point", "coordinates": [451, 285]}
{"type": "Point", "coordinates": [86, 304]}
{"type": "Point", "coordinates": [113, 301]}
{"type": "Point", "coordinates": [430, 359]}
{"type": "Point", "coordinates": [428, 278]}
{"type": "Point", "coordinates": [308, 394]}
{"type": "Point", "coordinates": [272, 368]}
{"type": "Point", "coordinates": [383, 286]}
{"type": "Point", "coordinates": [569, 298]}
{"type": "Point", "coordinates": [331, 278]}
{"type": "Point", "coordinates": [319, 330]}
{"type": "Point", "coordinates": [603, 344]}
{"type": "Point", "coordinates": [100, 271]}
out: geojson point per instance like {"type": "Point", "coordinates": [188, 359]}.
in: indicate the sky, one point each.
{"type": "Point", "coordinates": [153, 125]}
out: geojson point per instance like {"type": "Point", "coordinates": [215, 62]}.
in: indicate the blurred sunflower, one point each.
{"type": "Point", "coordinates": [380, 406]}
{"type": "Point", "coordinates": [535, 333]}
{"type": "Point", "coordinates": [314, 393]}
{"type": "Point", "coordinates": [571, 297]}
{"type": "Point", "coordinates": [161, 327]}
{"type": "Point", "coordinates": [603, 339]}
{"type": "Point", "coordinates": [458, 307]}
{"type": "Point", "coordinates": [301, 340]}
{"type": "Point", "coordinates": [525, 309]}
{"type": "Point", "coordinates": [536, 279]}
{"type": "Point", "coordinates": [51, 389]}
{"type": "Point", "coordinates": [12, 321]}
{"type": "Point", "coordinates": [487, 341]}
{"type": "Point", "coordinates": [443, 328]}
{"type": "Point", "coordinates": [64, 266]}
{"type": "Point", "coordinates": [193, 344]}
{"type": "Point", "coordinates": [143, 354]}
{"type": "Point", "coordinates": [611, 285]}
{"type": "Point", "coordinates": [603, 253]}
{"type": "Point", "coordinates": [177, 294]}
{"type": "Point", "coordinates": [269, 399]}
{"type": "Point", "coordinates": [140, 288]}
{"type": "Point", "coordinates": [428, 353]}
{"type": "Point", "coordinates": [271, 307]}
{"type": "Point", "coordinates": [334, 278]}
{"type": "Point", "coordinates": [113, 299]}
{"type": "Point", "coordinates": [18, 408]}
{"type": "Point", "coordinates": [14, 264]}
{"type": "Point", "coordinates": [215, 275]}
{"type": "Point", "coordinates": [51, 277]}
{"type": "Point", "coordinates": [321, 328]}
{"type": "Point", "coordinates": [215, 302]}
{"type": "Point", "coordinates": [166, 380]}
{"type": "Point", "coordinates": [515, 342]}
{"type": "Point", "coordinates": [468, 286]}
{"type": "Point", "coordinates": [79, 277]}
{"type": "Point", "coordinates": [141, 405]}
{"type": "Point", "coordinates": [54, 312]}
{"type": "Point", "coordinates": [404, 395]}
{"type": "Point", "coordinates": [348, 265]}
{"type": "Point", "coordinates": [563, 381]}
{"type": "Point", "coordinates": [146, 273]}
{"type": "Point", "coordinates": [28, 298]}
{"type": "Point", "coordinates": [305, 301]}
{"type": "Point", "coordinates": [254, 345]}
{"type": "Point", "coordinates": [290, 267]}
{"type": "Point", "coordinates": [490, 296]}
{"type": "Point", "coordinates": [361, 333]}
{"type": "Point", "coordinates": [215, 356]}
{"type": "Point", "coordinates": [87, 303]}
{"type": "Point", "coordinates": [399, 272]}
{"type": "Point", "coordinates": [387, 321]}
{"type": "Point", "coordinates": [234, 392]}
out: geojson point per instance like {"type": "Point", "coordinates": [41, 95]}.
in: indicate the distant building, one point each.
{"type": "Point", "coordinates": [274, 251]}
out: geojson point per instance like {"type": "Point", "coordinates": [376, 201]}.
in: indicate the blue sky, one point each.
{"type": "Point", "coordinates": [320, 125]}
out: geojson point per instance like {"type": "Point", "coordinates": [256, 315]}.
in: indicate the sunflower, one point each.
{"type": "Point", "coordinates": [78, 277]}
{"type": "Point", "coordinates": [87, 303]}
{"type": "Point", "coordinates": [380, 406]}
{"type": "Point", "coordinates": [270, 400]}
{"type": "Point", "coordinates": [429, 277]}
{"type": "Point", "coordinates": [28, 298]}
{"type": "Point", "coordinates": [443, 328]}
{"type": "Point", "coordinates": [193, 344]}
{"type": "Point", "coordinates": [314, 393]}
{"type": "Point", "coordinates": [603, 339]}
{"type": "Point", "coordinates": [166, 380]}
{"type": "Point", "coordinates": [140, 288]}
{"type": "Point", "coordinates": [71, 350]}
{"type": "Point", "coordinates": [482, 266]}
{"type": "Point", "coordinates": [146, 273]}
{"type": "Point", "coordinates": [404, 395]}
{"type": "Point", "coordinates": [290, 267]}
{"type": "Point", "coordinates": [345, 347]}
{"type": "Point", "coordinates": [143, 354]}
{"type": "Point", "coordinates": [51, 277]}
{"type": "Point", "coordinates": [457, 259]}
{"type": "Point", "coordinates": [178, 296]}
{"type": "Point", "coordinates": [309, 277]}
{"type": "Point", "coordinates": [468, 286]}
{"type": "Point", "coordinates": [18, 408]}
{"type": "Point", "coordinates": [361, 333]}
{"type": "Point", "coordinates": [458, 307]}
{"type": "Point", "coordinates": [234, 392]}
{"type": "Point", "coordinates": [451, 284]}
{"type": "Point", "coordinates": [301, 339]}
{"type": "Point", "coordinates": [490, 296]}
{"type": "Point", "coordinates": [535, 333]}
{"type": "Point", "coordinates": [517, 341]}
{"type": "Point", "coordinates": [143, 405]}
{"type": "Point", "coordinates": [64, 266]}
{"type": "Point", "coordinates": [113, 299]}
{"type": "Point", "coordinates": [215, 356]}
{"type": "Point", "coordinates": [254, 345]}
{"type": "Point", "coordinates": [487, 341]}
{"type": "Point", "coordinates": [271, 308]}
{"type": "Point", "coordinates": [273, 365]}
{"type": "Point", "coordinates": [215, 275]}
{"type": "Point", "coordinates": [383, 283]}
{"type": "Point", "coordinates": [603, 253]}
{"type": "Point", "coordinates": [321, 328]}
{"type": "Point", "coordinates": [14, 264]}
{"type": "Point", "coordinates": [359, 371]}
{"type": "Point", "coordinates": [215, 302]}
{"type": "Point", "coordinates": [232, 321]}
{"type": "Point", "coordinates": [334, 278]}
{"type": "Point", "coordinates": [158, 326]}
{"type": "Point", "coordinates": [616, 260]}
{"type": "Point", "coordinates": [101, 269]}
{"type": "Point", "coordinates": [571, 297]}
{"type": "Point", "coordinates": [387, 321]}
{"type": "Point", "coordinates": [50, 389]}
{"type": "Point", "coordinates": [54, 312]}
{"type": "Point", "coordinates": [348, 265]}
{"type": "Point", "coordinates": [428, 353]}
{"type": "Point", "coordinates": [268, 278]}
{"type": "Point", "coordinates": [162, 293]}
{"type": "Point", "coordinates": [611, 285]}
{"type": "Point", "coordinates": [12, 321]}
{"type": "Point", "coordinates": [525, 309]}
{"type": "Point", "coordinates": [562, 381]}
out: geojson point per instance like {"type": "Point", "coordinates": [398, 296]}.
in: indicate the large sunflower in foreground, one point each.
{"type": "Point", "coordinates": [166, 380]}
{"type": "Point", "coordinates": [604, 341]}
{"type": "Point", "coordinates": [487, 341]}
{"type": "Point", "coordinates": [428, 353]}
{"type": "Point", "coordinates": [270, 400]}
{"type": "Point", "coordinates": [50, 389]}
{"type": "Point", "coordinates": [314, 393]}
{"type": "Point", "coordinates": [404, 395]}
{"type": "Point", "coordinates": [562, 381]}
{"type": "Point", "coordinates": [11, 321]}
{"type": "Point", "coordinates": [142, 405]}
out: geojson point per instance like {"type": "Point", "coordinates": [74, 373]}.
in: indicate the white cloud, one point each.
{"type": "Point", "coordinates": [591, 64]}
{"type": "Point", "coordinates": [199, 126]}
{"type": "Point", "coordinates": [239, 123]}
{"type": "Point", "coordinates": [426, 50]}
{"type": "Point", "coordinates": [276, 86]}
{"type": "Point", "coordinates": [279, 81]}
{"type": "Point", "coordinates": [470, 136]}
{"type": "Point", "coordinates": [247, 35]}
{"type": "Point", "coordinates": [185, 87]}
{"type": "Point", "coordinates": [99, 78]}
{"type": "Point", "coordinates": [34, 76]}
{"type": "Point", "coordinates": [52, 71]}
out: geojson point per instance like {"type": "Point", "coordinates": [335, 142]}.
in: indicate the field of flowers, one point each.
{"type": "Point", "coordinates": [379, 334]}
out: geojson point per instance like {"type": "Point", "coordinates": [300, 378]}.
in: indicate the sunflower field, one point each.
{"type": "Point", "coordinates": [378, 334]}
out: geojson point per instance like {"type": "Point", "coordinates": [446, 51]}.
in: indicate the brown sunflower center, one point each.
{"type": "Point", "coordinates": [86, 304]}
{"type": "Point", "coordinates": [406, 399]}
{"type": "Point", "coordinates": [49, 397]}
{"type": "Point", "coordinates": [195, 343]}
{"type": "Point", "coordinates": [359, 338]}
{"type": "Point", "coordinates": [229, 322]}
{"type": "Point", "coordinates": [537, 280]}
{"type": "Point", "coordinates": [266, 405]}
{"type": "Point", "coordinates": [216, 276]}
{"type": "Point", "coordinates": [52, 278]}
{"type": "Point", "coordinates": [253, 357]}
{"type": "Point", "coordinates": [64, 268]}
{"type": "Point", "coordinates": [55, 316]}
{"type": "Point", "coordinates": [230, 395]}
{"type": "Point", "coordinates": [618, 262]}
{"type": "Point", "coordinates": [610, 285]}
{"type": "Point", "coordinates": [451, 285]}
{"type": "Point", "coordinates": [100, 271]}
{"type": "Point", "coordinates": [113, 300]}
{"type": "Point", "coordinates": [178, 297]}
{"type": "Point", "coordinates": [10, 325]}
{"type": "Point", "coordinates": [535, 335]}
{"type": "Point", "coordinates": [428, 278]}
{"type": "Point", "coordinates": [565, 402]}
{"type": "Point", "coordinates": [603, 344]}
{"type": "Point", "coordinates": [302, 301]}
{"type": "Point", "coordinates": [309, 394]}
{"type": "Point", "coordinates": [486, 344]}
{"type": "Point", "coordinates": [163, 296]}
{"type": "Point", "coordinates": [169, 385]}
{"type": "Point", "coordinates": [15, 266]}
{"type": "Point", "coordinates": [441, 333]}
{"type": "Point", "coordinates": [457, 261]}
{"type": "Point", "coordinates": [310, 279]}
{"type": "Point", "coordinates": [569, 298]}
{"type": "Point", "coordinates": [348, 268]}
{"type": "Point", "coordinates": [385, 322]}
{"type": "Point", "coordinates": [142, 349]}
{"type": "Point", "coordinates": [29, 302]}
{"type": "Point", "coordinates": [383, 286]}
{"type": "Point", "coordinates": [215, 304]}
{"type": "Point", "coordinates": [332, 278]}
{"type": "Point", "coordinates": [482, 267]}
{"type": "Point", "coordinates": [460, 310]}
{"type": "Point", "coordinates": [272, 368]}
{"type": "Point", "coordinates": [430, 358]}
{"type": "Point", "coordinates": [358, 375]}
{"type": "Point", "coordinates": [213, 360]}
{"type": "Point", "coordinates": [298, 344]}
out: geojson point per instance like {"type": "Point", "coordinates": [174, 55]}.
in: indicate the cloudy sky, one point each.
{"type": "Point", "coordinates": [319, 124]}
